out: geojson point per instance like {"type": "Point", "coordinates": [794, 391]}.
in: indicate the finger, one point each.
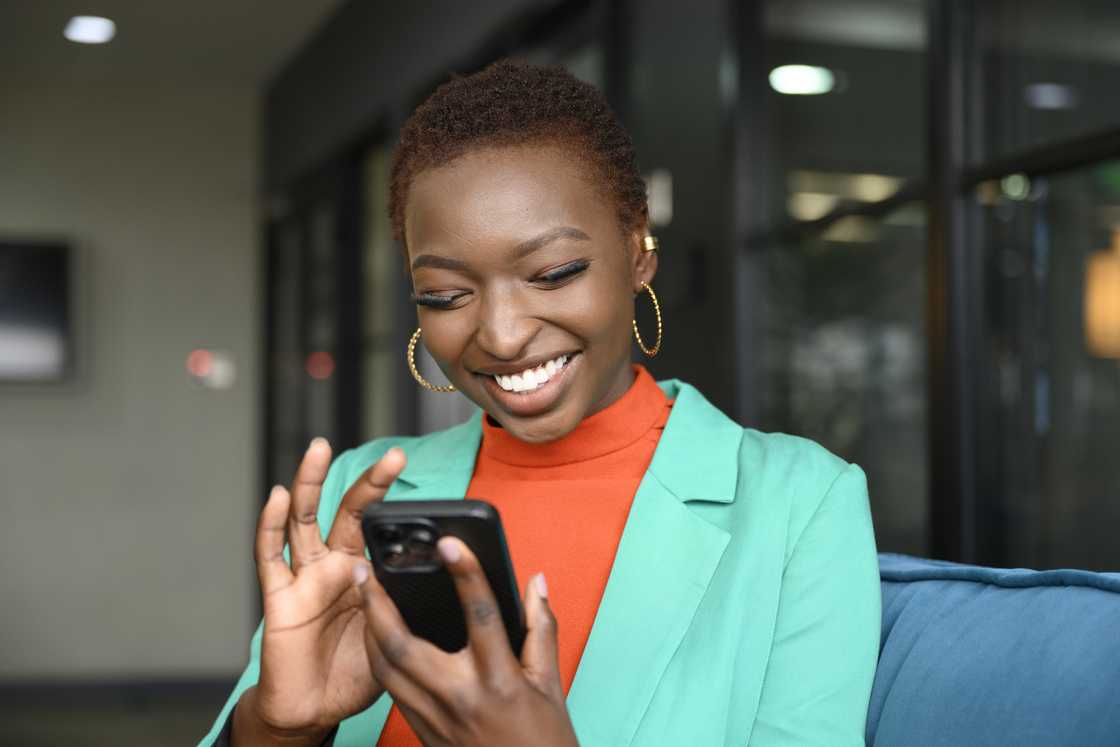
{"type": "Point", "coordinates": [426, 727]}
{"type": "Point", "coordinates": [272, 570]}
{"type": "Point", "coordinates": [304, 535]}
{"type": "Point", "coordinates": [346, 532]}
{"type": "Point", "coordinates": [486, 633]}
{"type": "Point", "coordinates": [397, 658]}
{"type": "Point", "coordinates": [540, 653]}
{"type": "Point", "coordinates": [418, 706]}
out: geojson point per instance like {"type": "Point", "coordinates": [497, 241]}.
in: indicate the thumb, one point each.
{"type": "Point", "coordinates": [539, 655]}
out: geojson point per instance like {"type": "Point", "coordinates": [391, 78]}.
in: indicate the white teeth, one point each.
{"type": "Point", "coordinates": [531, 378]}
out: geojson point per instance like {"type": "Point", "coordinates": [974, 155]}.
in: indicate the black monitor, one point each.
{"type": "Point", "coordinates": [35, 310]}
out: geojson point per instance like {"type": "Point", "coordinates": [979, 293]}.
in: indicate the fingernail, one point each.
{"type": "Point", "coordinates": [361, 573]}
{"type": "Point", "coordinates": [449, 550]}
{"type": "Point", "coordinates": [542, 585]}
{"type": "Point", "coordinates": [315, 441]}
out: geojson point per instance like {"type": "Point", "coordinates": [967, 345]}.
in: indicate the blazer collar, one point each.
{"type": "Point", "coordinates": [697, 447]}
{"type": "Point", "coordinates": [692, 459]}
{"type": "Point", "coordinates": [440, 465]}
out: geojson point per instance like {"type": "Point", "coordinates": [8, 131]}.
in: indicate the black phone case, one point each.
{"type": "Point", "coordinates": [425, 595]}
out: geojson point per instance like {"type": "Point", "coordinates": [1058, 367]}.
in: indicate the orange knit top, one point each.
{"type": "Point", "coordinates": [563, 506]}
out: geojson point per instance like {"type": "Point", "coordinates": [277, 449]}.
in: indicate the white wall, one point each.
{"type": "Point", "coordinates": [128, 497]}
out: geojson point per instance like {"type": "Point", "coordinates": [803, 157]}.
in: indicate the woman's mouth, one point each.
{"type": "Point", "coordinates": [532, 390]}
{"type": "Point", "coordinates": [532, 379]}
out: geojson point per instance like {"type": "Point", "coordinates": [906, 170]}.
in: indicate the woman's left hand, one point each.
{"type": "Point", "coordinates": [481, 695]}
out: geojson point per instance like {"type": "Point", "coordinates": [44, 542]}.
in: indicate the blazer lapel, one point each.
{"type": "Point", "coordinates": [664, 563]}
{"type": "Point", "coordinates": [440, 466]}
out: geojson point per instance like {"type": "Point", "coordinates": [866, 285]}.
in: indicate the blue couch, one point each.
{"type": "Point", "coordinates": [987, 656]}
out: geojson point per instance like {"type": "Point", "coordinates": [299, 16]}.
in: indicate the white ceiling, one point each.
{"type": "Point", "coordinates": [238, 42]}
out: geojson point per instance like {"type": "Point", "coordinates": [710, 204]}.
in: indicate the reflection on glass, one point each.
{"type": "Point", "coordinates": [286, 367]}
{"type": "Point", "coordinates": [862, 134]}
{"type": "Point", "coordinates": [1047, 71]}
{"type": "Point", "coordinates": [845, 358]}
{"type": "Point", "coordinates": [1102, 301]}
{"type": "Point", "coordinates": [1053, 418]}
{"type": "Point", "coordinates": [322, 322]}
{"type": "Point", "coordinates": [34, 311]}
{"type": "Point", "coordinates": [383, 280]}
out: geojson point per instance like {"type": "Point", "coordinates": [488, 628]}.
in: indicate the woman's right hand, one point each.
{"type": "Point", "coordinates": [314, 671]}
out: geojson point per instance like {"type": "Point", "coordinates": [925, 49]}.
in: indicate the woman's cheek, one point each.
{"type": "Point", "coordinates": [443, 338]}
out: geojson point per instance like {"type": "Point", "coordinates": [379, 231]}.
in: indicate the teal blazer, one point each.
{"type": "Point", "coordinates": [743, 606]}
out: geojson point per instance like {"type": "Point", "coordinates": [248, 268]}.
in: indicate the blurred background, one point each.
{"type": "Point", "coordinates": [887, 225]}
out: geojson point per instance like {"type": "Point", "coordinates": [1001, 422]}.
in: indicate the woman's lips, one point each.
{"type": "Point", "coordinates": [537, 401]}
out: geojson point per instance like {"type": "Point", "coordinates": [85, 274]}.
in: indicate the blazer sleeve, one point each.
{"type": "Point", "coordinates": [826, 640]}
{"type": "Point", "coordinates": [330, 497]}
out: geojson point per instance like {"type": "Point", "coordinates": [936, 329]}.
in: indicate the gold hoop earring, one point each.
{"type": "Point", "coordinates": [411, 355]}
{"type": "Point", "coordinates": [657, 311]}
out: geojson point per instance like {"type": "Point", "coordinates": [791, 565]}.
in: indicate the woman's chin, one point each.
{"type": "Point", "coordinates": [538, 430]}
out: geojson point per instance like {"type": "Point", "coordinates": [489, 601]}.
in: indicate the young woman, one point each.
{"type": "Point", "coordinates": [706, 584]}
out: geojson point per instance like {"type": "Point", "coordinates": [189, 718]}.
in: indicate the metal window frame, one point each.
{"type": "Point", "coordinates": [962, 524]}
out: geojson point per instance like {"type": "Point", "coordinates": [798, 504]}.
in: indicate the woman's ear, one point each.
{"type": "Point", "coordinates": [643, 261]}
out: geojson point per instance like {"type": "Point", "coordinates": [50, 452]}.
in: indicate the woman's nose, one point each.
{"type": "Point", "coordinates": [504, 330]}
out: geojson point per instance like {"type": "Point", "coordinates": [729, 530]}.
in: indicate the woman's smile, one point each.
{"type": "Point", "coordinates": [534, 389]}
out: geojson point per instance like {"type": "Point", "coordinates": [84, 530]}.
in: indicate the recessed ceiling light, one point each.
{"type": "Point", "coordinates": [1050, 96]}
{"type": "Point", "coordinates": [802, 80]}
{"type": "Point", "coordinates": [90, 30]}
{"type": "Point", "coordinates": [1016, 186]}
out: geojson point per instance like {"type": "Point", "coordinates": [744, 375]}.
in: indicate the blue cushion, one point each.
{"type": "Point", "coordinates": [989, 656]}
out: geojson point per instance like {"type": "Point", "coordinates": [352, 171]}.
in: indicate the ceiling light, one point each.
{"type": "Point", "coordinates": [852, 229]}
{"type": "Point", "coordinates": [811, 205]}
{"type": "Point", "coordinates": [802, 80]}
{"type": "Point", "coordinates": [1050, 96]}
{"type": "Point", "coordinates": [90, 30]}
{"type": "Point", "coordinates": [1016, 186]}
{"type": "Point", "coordinates": [849, 186]}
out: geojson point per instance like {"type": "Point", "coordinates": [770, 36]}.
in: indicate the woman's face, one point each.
{"type": "Point", "coordinates": [519, 265]}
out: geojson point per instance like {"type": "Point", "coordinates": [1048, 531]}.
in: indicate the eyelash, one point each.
{"type": "Point", "coordinates": [562, 273]}
{"type": "Point", "coordinates": [434, 300]}
{"type": "Point", "coordinates": [551, 279]}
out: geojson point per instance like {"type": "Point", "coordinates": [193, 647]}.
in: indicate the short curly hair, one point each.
{"type": "Point", "coordinates": [512, 103]}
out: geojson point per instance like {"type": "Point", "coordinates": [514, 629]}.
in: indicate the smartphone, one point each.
{"type": "Point", "coordinates": [401, 537]}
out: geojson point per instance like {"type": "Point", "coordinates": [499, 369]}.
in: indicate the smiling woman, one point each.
{"type": "Point", "coordinates": [707, 584]}
{"type": "Point", "coordinates": [500, 297]}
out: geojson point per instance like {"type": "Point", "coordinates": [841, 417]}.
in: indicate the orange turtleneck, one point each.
{"type": "Point", "coordinates": [563, 506]}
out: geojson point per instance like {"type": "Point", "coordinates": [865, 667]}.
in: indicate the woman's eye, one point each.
{"type": "Point", "coordinates": [562, 273]}
{"type": "Point", "coordinates": [436, 300]}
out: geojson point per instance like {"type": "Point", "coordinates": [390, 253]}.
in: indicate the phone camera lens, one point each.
{"type": "Point", "coordinates": [393, 555]}
{"type": "Point", "coordinates": [388, 534]}
{"type": "Point", "coordinates": [421, 539]}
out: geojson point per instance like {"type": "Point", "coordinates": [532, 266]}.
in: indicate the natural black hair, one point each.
{"type": "Point", "coordinates": [512, 103]}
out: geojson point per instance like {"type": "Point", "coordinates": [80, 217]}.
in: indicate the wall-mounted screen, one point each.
{"type": "Point", "coordinates": [35, 310]}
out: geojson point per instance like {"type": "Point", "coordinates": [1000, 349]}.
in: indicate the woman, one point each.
{"type": "Point", "coordinates": [707, 585]}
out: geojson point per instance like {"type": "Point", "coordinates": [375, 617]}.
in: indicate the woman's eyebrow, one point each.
{"type": "Point", "coordinates": [520, 251]}
{"type": "Point", "coordinates": [438, 262]}
{"type": "Point", "coordinates": [525, 248]}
